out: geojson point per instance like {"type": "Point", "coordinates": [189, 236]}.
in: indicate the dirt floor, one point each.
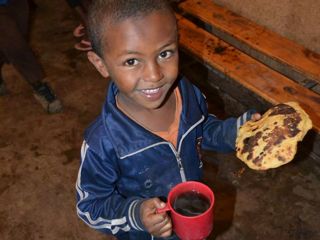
{"type": "Point", "coordinates": [39, 155]}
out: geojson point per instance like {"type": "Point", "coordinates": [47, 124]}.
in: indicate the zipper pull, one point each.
{"type": "Point", "coordinates": [182, 173]}
{"type": "Point", "coordinates": [179, 160]}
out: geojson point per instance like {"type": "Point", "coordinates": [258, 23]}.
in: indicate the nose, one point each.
{"type": "Point", "coordinates": [152, 72]}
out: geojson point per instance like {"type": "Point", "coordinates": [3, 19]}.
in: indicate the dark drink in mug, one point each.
{"type": "Point", "coordinates": [191, 203]}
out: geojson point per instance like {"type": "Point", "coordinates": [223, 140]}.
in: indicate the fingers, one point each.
{"type": "Point", "coordinates": [158, 224]}
{"type": "Point", "coordinates": [162, 228]}
{"type": "Point", "coordinates": [256, 116]}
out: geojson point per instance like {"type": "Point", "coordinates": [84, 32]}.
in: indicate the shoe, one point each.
{"type": "Point", "coordinates": [3, 89]}
{"type": "Point", "coordinates": [46, 97]}
{"type": "Point", "coordinates": [79, 31]}
{"type": "Point", "coordinates": [83, 45]}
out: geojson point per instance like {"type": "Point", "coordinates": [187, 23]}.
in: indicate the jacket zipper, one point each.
{"type": "Point", "coordinates": [182, 173]}
{"type": "Point", "coordinates": [179, 161]}
{"type": "Point", "coordinates": [177, 153]}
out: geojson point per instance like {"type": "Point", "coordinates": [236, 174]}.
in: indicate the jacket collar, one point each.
{"type": "Point", "coordinates": [129, 137]}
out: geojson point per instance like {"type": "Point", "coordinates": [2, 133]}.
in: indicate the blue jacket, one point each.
{"type": "Point", "coordinates": [123, 163]}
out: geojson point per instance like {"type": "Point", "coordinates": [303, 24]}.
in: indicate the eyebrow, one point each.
{"type": "Point", "coordinates": [132, 52]}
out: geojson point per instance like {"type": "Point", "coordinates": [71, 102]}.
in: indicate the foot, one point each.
{"type": "Point", "coordinates": [46, 97]}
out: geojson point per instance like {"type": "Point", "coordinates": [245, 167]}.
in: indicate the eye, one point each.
{"type": "Point", "coordinates": [131, 62]}
{"type": "Point", "coordinates": [166, 54]}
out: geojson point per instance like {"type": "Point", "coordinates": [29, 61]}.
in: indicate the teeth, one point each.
{"type": "Point", "coordinates": [150, 91]}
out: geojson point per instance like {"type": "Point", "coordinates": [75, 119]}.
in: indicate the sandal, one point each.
{"type": "Point", "coordinates": [79, 31]}
{"type": "Point", "coordinates": [83, 45]}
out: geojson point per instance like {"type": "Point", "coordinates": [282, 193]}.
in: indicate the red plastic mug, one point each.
{"type": "Point", "coordinates": [191, 227]}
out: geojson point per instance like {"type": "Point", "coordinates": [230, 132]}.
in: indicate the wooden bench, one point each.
{"type": "Point", "coordinates": [265, 80]}
{"type": "Point", "coordinates": [281, 54]}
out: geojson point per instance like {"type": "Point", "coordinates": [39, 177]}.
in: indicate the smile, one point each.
{"type": "Point", "coordinates": [150, 91]}
{"type": "Point", "coordinates": [152, 94]}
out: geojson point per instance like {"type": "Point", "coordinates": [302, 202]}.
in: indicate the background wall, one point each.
{"type": "Point", "coordinates": [295, 19]}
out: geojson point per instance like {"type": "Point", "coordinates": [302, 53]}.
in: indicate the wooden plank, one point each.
{"type": "Point", "coordinates": [267, 83]}
{"type": "Point", "coordinates": [281, 54]}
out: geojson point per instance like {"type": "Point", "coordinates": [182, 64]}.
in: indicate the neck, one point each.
{"type": "Point", "coordinates": [158, 119]}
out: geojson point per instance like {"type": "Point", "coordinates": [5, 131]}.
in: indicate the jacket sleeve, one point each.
{"type": "Point", "coordinates": [220, 135]}
{"type": "Point", "coordinates": [99, 204]}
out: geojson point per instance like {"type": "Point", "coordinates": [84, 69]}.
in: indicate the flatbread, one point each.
{"type": "Point", "coordinates": [272, 141]}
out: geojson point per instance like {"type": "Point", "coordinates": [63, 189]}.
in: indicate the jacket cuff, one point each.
{"type": "Point", "coordinates": [245, 117]}
{"type": "Point", "coordinates": [134, 215]}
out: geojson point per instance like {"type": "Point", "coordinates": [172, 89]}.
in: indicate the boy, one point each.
{"type": "Point", "coordinates": [153, 123]}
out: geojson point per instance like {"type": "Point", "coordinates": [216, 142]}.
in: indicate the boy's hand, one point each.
{"type": "Point", "coordinates": [256, 117]}
{"type": "Point", "coordinates": [157, 224]}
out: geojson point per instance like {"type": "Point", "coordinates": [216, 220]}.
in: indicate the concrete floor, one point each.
{"type": "Point", "coordinates": [39, 155]}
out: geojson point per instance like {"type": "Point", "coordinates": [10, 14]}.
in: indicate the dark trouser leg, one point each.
{"type": "Point", "coordinates": [2, 62]}
{"type": "Point", "coordinates": [2, 84]}
{"type": "Point", "coordinates": [13, 42]}
{"type": "Point", "coordinates": [85, 4]}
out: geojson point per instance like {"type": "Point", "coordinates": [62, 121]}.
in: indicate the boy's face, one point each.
{"type": "Point", "coordinates": [141, 57]}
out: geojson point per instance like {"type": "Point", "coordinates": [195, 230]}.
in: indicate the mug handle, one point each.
{"type": "Point", "coordinates": [162, 210]}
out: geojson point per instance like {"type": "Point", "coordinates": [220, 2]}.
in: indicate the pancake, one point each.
{"type": "Point", "coordinates": [272, 141]}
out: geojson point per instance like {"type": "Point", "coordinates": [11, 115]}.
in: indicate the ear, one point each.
{"type": "Point", "coordinates": [98, 63]}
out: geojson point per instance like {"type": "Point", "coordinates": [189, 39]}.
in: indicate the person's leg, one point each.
{"type": "Point", "coordinates": [19, 11]}
{"type": "Point", "coordinates": [14, 44]}
{"type": "Point", "coordinates": [79, 9]}
{"type": "Point", "coordinates": [3, 91]}
{"type": "Point", "coordinates": [85, 4]}
{"type": "Point", "coordinates": [16, 50]}
{"type": "Point", "coordinates": [2, 84]}
{"type": "Point", "coordinates": [33, 6]}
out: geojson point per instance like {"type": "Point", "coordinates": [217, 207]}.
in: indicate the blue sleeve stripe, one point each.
{"type": "Point", "coordinates": [245, 117]}
{"type": "Point", "coordinates": [114, 225]}
{"type": "Point", "coordinates": [100, 223]}
{"type": "Point", "coordinates": [132, 218]}
{"type": "Point", "coordinates": [81, 193]}
{"type": "Point", "coordinates": [242, 119]}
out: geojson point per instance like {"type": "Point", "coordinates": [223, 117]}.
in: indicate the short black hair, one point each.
{"type": "Point", "coordinates": [104, 12]}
